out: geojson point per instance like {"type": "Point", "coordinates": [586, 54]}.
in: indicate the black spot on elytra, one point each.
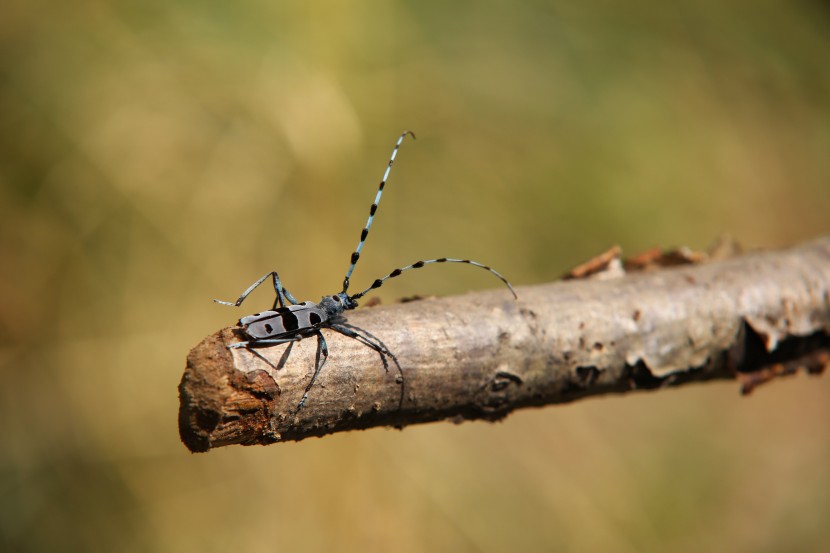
{"type": "Point", "coordinates": [314, 318]}
{"type": "Point", "coordinates": [290, 322]}
{"type": "Point", "coordinates": [268, 328]}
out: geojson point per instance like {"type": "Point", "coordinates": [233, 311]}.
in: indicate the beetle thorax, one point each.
{"type": "Point", "coordinates": [336, 304]}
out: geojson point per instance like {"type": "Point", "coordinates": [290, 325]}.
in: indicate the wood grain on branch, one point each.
{"type": "Point", "coordinates": [482, 355]}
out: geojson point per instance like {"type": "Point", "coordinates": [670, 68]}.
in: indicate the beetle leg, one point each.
{"type": "Point", "coordinates": [283, 358]}
{"type": "Point", "coordinates": [285, 354]}
{"type": "Point", "coordinates": [319, 361]}
{"type": "Point", "coordinates": [366, 339]}
{"type": "Point", "coordinates": [268, 341]}
{"type": "Point", "coordinates": [273, 341]}
{"type": "Point", "coordinates": [372, 341]}
{"type": "Point", "coordinates": [282, 293]}
{"type": "Point", "coordinates": [288, 296]}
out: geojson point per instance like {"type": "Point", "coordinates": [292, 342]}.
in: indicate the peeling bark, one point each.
{"type": "Point", "coordinates": [482, 355]}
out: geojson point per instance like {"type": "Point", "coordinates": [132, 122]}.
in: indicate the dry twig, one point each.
{"type": "Point", "coordinates": [482, 355]}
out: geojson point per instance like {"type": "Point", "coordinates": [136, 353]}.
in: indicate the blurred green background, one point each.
{"type": "Point", "coordinates": [156, 155]}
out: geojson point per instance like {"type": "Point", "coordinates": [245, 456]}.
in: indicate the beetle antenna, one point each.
{"type": "Point", "coordinates": [417, 265]}
{"type": "Point", "coordinates": [365, 232]}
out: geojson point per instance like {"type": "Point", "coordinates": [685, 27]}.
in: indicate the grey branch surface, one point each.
{"type": "Point", "coordinates": [482, 355]}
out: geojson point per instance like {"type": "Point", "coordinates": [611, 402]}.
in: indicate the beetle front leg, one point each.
{"type": "Point", "coordinates": [375, 343]}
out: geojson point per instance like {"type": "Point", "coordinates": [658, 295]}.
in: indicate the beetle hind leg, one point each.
{"type": "Point", "coordinates": [283, 295]}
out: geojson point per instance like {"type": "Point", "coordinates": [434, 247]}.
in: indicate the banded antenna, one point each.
{"type": "Point", "coordinates": [418, 264]}
{"type": "Point", "coordinates": [365, 232]}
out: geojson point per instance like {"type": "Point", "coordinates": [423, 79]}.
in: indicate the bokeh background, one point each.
{"type": "Point", "coordinates": [158, 154]}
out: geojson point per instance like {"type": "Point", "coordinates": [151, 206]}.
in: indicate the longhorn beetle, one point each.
{"type": "Point", "coordinates": [290, 321]}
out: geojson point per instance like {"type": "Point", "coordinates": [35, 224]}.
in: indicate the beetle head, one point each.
{"type": "Point", "coordinates": [336, 304]}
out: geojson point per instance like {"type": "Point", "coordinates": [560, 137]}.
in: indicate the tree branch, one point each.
{"type": "Point", "coordinates": [482, 355]}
